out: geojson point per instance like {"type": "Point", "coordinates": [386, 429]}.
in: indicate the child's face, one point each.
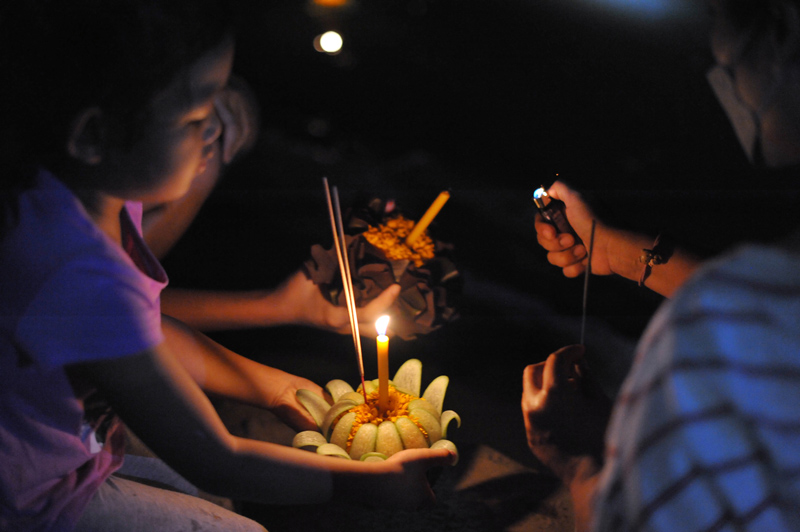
{"type": "Point", "coordinates": [177, 140]}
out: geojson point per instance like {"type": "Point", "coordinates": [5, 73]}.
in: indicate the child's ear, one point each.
{"type": "Point", "coordinates": [87, 136]}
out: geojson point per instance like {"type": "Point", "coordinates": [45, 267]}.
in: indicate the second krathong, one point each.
{"type": "Point", "coordinates": [385, 247]}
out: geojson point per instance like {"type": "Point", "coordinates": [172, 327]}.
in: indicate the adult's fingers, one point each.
{"type": "Point", "coordinates": [545, 231]}
{"type": "Point", "coordinates": [549, 238]}
{"type": "Point", "coordinates": [560, 366]}
{"type": "Point", "coordinates": [532, 378]}
{"type": "Point", "coordinates": [567, 257]}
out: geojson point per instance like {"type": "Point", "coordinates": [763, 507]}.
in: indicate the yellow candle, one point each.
{"type": "Point", "coordinates": [428, 217]}
{"type": "Point", "coordinates": [383, 363]}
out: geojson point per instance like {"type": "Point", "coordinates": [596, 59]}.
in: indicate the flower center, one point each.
{"type": "Point", "coordinates": [391, 239]}
{"type": "Point", "coordinates": [368, 412]}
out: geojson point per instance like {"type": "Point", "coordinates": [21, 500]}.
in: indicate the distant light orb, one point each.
{"type": "Point", "coordinates": [329, 42]}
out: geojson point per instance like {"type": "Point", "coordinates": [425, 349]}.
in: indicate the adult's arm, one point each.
{"type": "Point", "coordinates": [614, 251]}
{"type": "Point", "coordinates": [565, 415]}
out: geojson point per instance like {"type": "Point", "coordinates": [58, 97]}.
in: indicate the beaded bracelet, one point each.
{"type": "Point", "coordinates": [660, 254]}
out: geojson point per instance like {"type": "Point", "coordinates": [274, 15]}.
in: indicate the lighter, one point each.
{"type": "Point", "coordinates": [552, 211]}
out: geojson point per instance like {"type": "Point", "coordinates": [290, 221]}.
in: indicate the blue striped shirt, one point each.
{"type": "Point", "coordinates": [705, 433]}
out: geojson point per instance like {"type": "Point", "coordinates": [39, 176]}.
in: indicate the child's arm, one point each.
{"type": "Point", "coordinates": [163, 405]}
{"type": "Point", "coordinates": [222, 372]}
{"type": "Point", "coordinates": [297, 301]}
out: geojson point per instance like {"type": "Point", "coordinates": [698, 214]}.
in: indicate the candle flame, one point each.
{"type": "Point", "coordinates": [382, 324]}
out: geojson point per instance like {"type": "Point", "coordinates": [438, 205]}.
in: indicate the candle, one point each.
{"type": "Point", "coordinates": [383, 363]}
{"type": "Point", "coordinates": [428, 217]}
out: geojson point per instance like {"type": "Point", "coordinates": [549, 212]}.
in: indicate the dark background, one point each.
{"type": "Point", "coordinates": [489, 99]}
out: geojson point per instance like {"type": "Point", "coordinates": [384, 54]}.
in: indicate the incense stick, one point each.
{"type": "Point", "coordinates": [587, 273]}
{"type": "Point", "coordinates": [340, 244]}
{"type": "Point", "coordinates": [342, 239]}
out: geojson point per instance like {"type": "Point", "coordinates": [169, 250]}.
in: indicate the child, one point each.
{"type": "Point", "coordinates": [118, 98]}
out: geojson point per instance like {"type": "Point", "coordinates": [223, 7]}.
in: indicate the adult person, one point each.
{"type": "Point", "coordinates": [704, 432]}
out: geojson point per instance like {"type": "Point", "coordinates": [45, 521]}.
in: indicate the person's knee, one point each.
{"type": "Point", "coordinates": [122, 504]}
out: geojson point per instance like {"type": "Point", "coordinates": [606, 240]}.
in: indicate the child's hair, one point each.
{"type": "Point", "coordinates": [61, 56]}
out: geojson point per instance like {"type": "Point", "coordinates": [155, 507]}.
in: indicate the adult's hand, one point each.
{"type": "Point", "coordinates": [565, 412]}
{"type": "Point", "coordinates": [563, 249]}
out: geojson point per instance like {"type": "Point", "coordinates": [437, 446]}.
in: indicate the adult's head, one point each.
{"type": "Point", "coordinates": [758, 43]}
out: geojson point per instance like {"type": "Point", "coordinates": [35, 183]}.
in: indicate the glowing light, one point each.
{"type": "Point", "coordinates": [646, 6]}
{"type": "Point", "coordinates": [649, 9]}
{"type": "Point", "coordinates": [382, 324]}
{"type": "Point", "coordinates": [329, 42]}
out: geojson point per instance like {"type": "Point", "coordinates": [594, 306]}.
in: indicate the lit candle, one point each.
{"type": "Point", "coordinates": [428, 217]}
{"type": "Point", "coordinates": [383, 363]}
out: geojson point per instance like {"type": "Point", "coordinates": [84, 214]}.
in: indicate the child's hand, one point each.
{"type": "Point", "coordinates": [339, 320]}
{"type": "Point", "coordinates": [403, 483]}
{"type": "Point", "coordinates": [284, 404]}
{"type": "Point", "coordinates": [305, 304]}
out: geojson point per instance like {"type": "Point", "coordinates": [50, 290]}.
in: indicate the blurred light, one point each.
{"type": "Point", "coordinates": [331, 3]}
{"type": "Point", "coordinates": [645, 7]}
{"type": "Point", "coordinates": [329, 42]}
{"type": "Point", "coordinates": [649, 9]}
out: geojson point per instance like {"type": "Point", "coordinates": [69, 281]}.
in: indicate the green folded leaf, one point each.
{"type": "Point", "coordinates": [308, 440]}
{"type": "Point", "coordinates": [447, 444]}
{"type": "Point", "coordinates": [316, 405]}
{"type": "Point", "coordinates": [410, 434]}
{"type": "Point", "coordinates": [445, 420]}
{"type": "Point", "coordinates": [430, 423]}
{"type": "Point", "coordinates": [330, 449]}
{"type": "Point", "coordinates": [388, 441]}
{"type": "Point", "coordinates": [337, 388]}
{"type": "Point", "coordinates": [364, 441]}
{"type": "Point", "coordinates": [408, 378]}
{"type": "Point", "coordinates": [436, 391]}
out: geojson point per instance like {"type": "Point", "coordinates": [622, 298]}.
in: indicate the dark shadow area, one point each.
{"type": "Point", "coordinates": [493, 505]}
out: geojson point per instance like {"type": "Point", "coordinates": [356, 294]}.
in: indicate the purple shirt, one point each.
{"type": "Point", "coordinates": [68, 294]}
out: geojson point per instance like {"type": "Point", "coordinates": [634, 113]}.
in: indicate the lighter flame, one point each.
{"type": "Point", "coordinates": [382, 324]}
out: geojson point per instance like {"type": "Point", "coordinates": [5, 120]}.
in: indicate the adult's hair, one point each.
{"type": "Point", "coordinates": [774, 20]}
{"type": "Point", "coordinates": [61, 56]}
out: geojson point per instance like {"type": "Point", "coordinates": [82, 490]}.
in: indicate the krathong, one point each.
{"type": "Point", "coordinates": [379, 257]}
{"type": "Point", "coordinates": [357, 429]}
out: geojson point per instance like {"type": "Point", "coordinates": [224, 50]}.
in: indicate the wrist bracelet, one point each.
{"type": "Point", "coordinates": [660, 254]}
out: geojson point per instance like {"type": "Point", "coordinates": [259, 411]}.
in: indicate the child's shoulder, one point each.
{"type": "Point", "coordinates": [52, 234]}
{"type": "Point", "coordinates": [52, 221]}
